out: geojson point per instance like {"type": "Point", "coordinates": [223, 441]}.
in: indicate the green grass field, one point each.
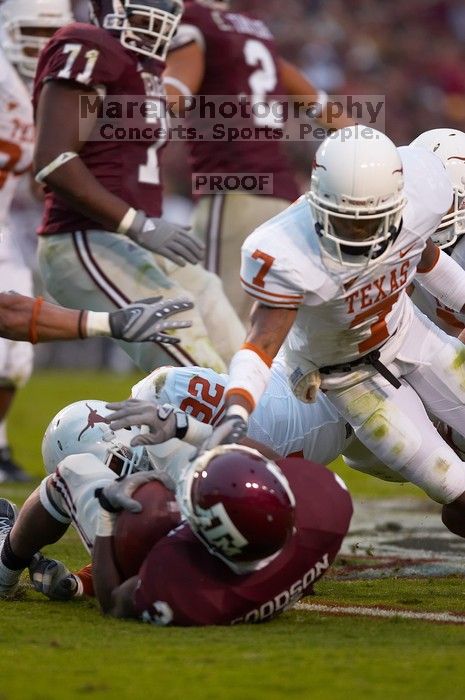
{"type": "Point", "coordinates": [53, 650]}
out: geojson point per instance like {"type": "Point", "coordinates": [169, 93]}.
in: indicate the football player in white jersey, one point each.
{"type": "Point", "coordinates": [449, 146]}
{"type": "Point", "coordinates": [331, 275]}
{"type": "Point", "coordinates": [24, 28]}
{"type": "Point", "coordinates": [16, 142]}
{"type": "Point", "coordinates": [280, 421]}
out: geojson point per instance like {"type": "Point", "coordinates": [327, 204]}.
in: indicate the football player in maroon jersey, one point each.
{"type": "Point", "coordinates": [245, 552]}
{"type": "Point", "coordinates": [101, 224]}
{"type": "Point", "coordinates": [219, 52]}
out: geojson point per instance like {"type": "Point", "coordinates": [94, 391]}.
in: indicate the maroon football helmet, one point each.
{"type": "Point", "coordinates": [144, 26]}
{"type": "Point", "coordinates": [240, 505]}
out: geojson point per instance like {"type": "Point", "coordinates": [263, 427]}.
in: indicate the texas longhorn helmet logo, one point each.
{"type": "Point", "coordinates": [316, 165]}
{"type": "Point", "coordinates": [92, 419]}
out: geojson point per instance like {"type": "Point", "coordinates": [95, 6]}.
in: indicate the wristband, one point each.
{"type": "Point", "coordinates": [33, 335]}
{"type": "Point", "coordinates": [249, 374]}
{"type": "Point", "coordinates": [97, 324]}
{"type": "Point", "coordinates": [197, 432]}
{"type": "Point", "coordinates": [81, 331]}
{"type": "Point", "coordinates": [105, 523]}
{"type": "Point", "coordinates": [79, 592]}
{"type": "Point", "coordinates": [127, 221]}
{"type": "Point", "coordinates": [238, 410]}
{"type": "Point", "coordinates": [58, 162]}
{"type": "Point", "coordinates": [445, 281]}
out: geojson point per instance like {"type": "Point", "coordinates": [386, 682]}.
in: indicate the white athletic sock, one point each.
{"type": "Point", "coordinates": [9, 578]}
{"type": "Point", "coordinates": [3, 435]}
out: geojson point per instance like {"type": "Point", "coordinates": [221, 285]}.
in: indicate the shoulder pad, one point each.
{"type": "Point", "coordinates": [281, 261]}
{"type": "Point", "coordinates": [62, 59]}
{"type": "Point", "coordinates": [427, 187]}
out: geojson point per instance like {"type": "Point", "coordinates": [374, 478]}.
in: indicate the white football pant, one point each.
{"type": "Point", "coordinates": [104, 271]}
{"type": "Point", "coordinates": [393, 423]}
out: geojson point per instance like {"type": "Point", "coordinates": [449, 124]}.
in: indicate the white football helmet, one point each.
{"type": "Point", "coordinates": [82, 427]}
{"type": "Point", "coordinates": [356, 195]}
{"type": "Point", "coordinates": [449, 146]}
{"type": "Point", "coordinates": [26, 28]}
{"type": "Point", "coordinates": [145, 26]}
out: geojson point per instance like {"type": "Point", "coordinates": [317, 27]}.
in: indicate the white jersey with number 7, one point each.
{"type": "Point", "coordinates": [345, 312]}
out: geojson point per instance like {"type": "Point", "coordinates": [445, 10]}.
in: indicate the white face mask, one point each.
{"type": "Point", "coordinates": [145, 29]}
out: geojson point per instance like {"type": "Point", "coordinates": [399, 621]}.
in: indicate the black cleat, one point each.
{"type": "Point", "coordinates": [8, 514]}
{"type": "Point", "coordinates": [9, 470]}
{"type": "Point", "coordinates": [8, 581]}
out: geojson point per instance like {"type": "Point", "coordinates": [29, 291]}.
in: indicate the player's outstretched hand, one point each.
{"type": "Point", "coordinates": [164, 238]}
{"type": "Point", "coordinates": [230, 430]}
{"type": "Point", "coordinates": [149, 319]}
{"type": "Point", "coordinates": [53, 579]}
{"type": "Point", "coordinates": [163, 421]}
{"type": "Point", "coordinates": [116, 496]}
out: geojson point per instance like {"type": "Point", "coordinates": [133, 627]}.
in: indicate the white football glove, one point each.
{"type": "Point", "coordinates": [53, 579]}
{"type": "Point", "coordinates": [163, 421]}
{"type": "Point", "coordinates": [164, 238]}
{"type": "Point", "coordinates": [116, 496]}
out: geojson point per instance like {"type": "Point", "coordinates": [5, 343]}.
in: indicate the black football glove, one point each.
{"type": "Point", "coordinates": [145, 320]}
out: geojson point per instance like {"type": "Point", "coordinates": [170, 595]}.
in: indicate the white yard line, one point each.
{"type": "Point", "coordinates": [382, 612]}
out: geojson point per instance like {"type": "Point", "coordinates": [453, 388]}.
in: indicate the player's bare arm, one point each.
{"type": "Point", "coordinates": [185, 68]}
{"type": "Point", "coordinates": [114, 596]}
{"type": "Point", "coordinates": [34, 320]}
{"type": "Point", "coordinates": [113, 593]}
{"type": "Point", "coordinates": [268, 329]}
{"type": "Point", "coordinates": [58, 165]}
{"type": "Point", "coordinates": [249, 371]}
{"type": "Point", "coordinates": [54, 322]}
{"type": "Point", "coordinates": [442, 276]}
{"type": "Point", "coordinates": [297, 85]}
{"type": "Point", "coordinates": [58, 134]}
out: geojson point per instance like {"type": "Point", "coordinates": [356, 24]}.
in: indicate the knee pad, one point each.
{"type": "Point", "coordinates": [359, 457]}
{"type": "Point", "coordinates": [52, 500]}
{"type": "Point", "coordinates": [391, 436]}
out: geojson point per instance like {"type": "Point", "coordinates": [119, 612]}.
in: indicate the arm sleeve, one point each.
{"type": "Point", "coordinates": [188, 34]}
{"type": "Point", "coordinates": [193, 28]}
{"type": "Point", "coordinates": [445, 281]}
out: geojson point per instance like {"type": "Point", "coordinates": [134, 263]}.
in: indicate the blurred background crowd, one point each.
{"type": "Point", "coordinates": [412, 52]}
